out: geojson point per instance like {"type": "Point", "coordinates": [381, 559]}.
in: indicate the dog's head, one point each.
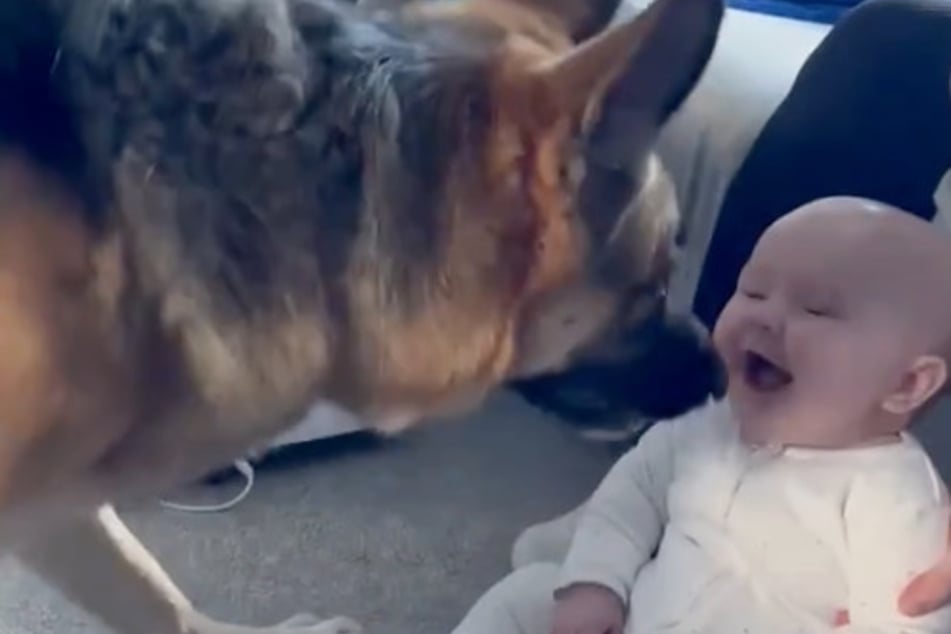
{"type": "Point", "coordinates": [485, 187]}
{"type": "Point", "coordinates": [579, 103]}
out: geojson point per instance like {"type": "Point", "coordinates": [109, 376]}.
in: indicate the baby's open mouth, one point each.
{"type": "Point", "coordinates": [763, 374]}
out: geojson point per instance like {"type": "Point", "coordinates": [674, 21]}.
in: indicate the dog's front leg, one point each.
{"type": "Point", "coordinates": [100, 565]}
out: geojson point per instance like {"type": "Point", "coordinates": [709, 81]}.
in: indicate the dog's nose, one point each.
{"type": "Point", "coordinates": [711, 366]}
{"type": "Point", "coordinates": [681, 369]}
{"type": "Point", "coordinates": [663, 369]}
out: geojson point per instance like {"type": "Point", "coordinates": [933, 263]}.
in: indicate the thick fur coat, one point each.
{"type": "Point", "coordinates": [215, 212]}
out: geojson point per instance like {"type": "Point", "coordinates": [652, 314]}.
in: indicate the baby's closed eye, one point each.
{"type": "Point", "coordinates": [753, 294]}
{"type": "Point", "coordinates": [818, 311]}
{"type": "Point", "coordinates": [823, 308]}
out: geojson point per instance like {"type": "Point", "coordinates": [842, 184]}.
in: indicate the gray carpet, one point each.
{"type": "Point", "coordinates": [401, 535]}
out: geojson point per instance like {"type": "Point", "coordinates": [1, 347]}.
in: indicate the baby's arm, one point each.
{"type": "Point", "coordinates": [896, 527]}
{"type": "Point", "coordinates": [624, 519]}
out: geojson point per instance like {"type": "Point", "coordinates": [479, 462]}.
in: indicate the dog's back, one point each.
{"type": "Point", "coordinates": [230, 209]}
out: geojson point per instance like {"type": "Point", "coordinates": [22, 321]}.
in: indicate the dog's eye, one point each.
{"type": "Point", "coordinates": [572, 170]}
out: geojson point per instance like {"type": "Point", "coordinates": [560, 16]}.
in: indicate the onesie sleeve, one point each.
{"type": "Point", "coordinates": [896, 524]}
{"type": "Point", "coordinates": [623, 521]}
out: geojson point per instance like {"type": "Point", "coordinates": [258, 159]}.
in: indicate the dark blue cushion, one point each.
{"type": "Point", "coordinates": [822, 11]}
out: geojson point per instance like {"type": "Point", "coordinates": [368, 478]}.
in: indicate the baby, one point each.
{"type": "Point", "coordinates": [799, 504]}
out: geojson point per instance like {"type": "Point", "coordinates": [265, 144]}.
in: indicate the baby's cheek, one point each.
{"type": "Point", "coordinates": [839, 377]}
{"type": "Point", "coordinates": [725, 330]}
{"type": "Point", "coordinates": [812, 343]}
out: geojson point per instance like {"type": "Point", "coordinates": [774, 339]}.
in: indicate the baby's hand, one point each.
{"type": "Point", "coordinates": [588, 608]}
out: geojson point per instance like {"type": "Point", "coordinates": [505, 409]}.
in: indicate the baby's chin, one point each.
{"type": "Point", "coordinates": [777, 430]}
{"type": "Point", "coordinates": [757, 434]}
{"type": "Point", "coordinates": [757, 425]}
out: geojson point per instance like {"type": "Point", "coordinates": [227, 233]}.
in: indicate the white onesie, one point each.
{"type": "Point", "coordinates": [703, 535]}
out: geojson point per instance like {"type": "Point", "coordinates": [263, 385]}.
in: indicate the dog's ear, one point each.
{"type": "Point", "coordinates": [649, 64]}
{"type": "Point", "coordinates": [628, 81]}
{"type": "Point", "coordinates": [581, 19]}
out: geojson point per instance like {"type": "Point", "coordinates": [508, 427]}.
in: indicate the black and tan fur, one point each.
{"type": "Point", "coordinates": [215, 212]}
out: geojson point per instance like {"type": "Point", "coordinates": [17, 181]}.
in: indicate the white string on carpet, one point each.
{"type": "Point", "coordinates": [245, 469]}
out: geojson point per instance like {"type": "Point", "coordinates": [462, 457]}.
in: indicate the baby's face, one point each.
{"type": "Point", "coordinates": [812, 341]}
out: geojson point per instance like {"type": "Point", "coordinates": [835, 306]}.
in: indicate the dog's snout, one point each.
{"type": "Point", "coordinates": [710, 365]}
{"type": "Point", "coordinates": [659, 370]}
{"type": "Point", "coordinates": [681, 369]}
{"type": "Point", "coordinates": [720, 379]}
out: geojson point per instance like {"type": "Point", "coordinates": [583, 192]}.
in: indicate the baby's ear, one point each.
{"type": "Point", "coordinates": [925, 378]}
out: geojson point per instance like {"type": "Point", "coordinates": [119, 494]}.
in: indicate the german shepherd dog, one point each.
{"type": "Point", "coordinates": [214, 213]}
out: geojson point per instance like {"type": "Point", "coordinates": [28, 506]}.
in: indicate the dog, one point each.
{"type": "Point", "coordinates": [214, 213]}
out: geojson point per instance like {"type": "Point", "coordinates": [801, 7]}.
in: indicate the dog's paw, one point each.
{"type": "Point", "coordinates": [301, 624]}
{"type": "Point", "coordinates": [310, 624]}
{"type": "Point", "coordinates": [305, 619]}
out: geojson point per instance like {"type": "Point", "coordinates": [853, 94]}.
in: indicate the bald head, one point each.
{"type": "Point", "coordinates": [857, 219]}
{"type": "Point", "coordinates": [872, 248]}
{"type": "Point", "coordinates": [851, 300]}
